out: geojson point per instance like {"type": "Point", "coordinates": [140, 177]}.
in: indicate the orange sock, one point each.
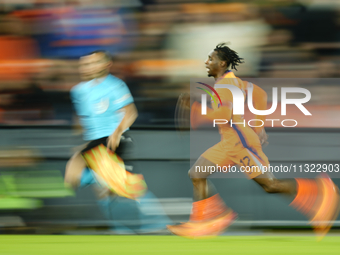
{"type": "Point", "coordinates": [207, 208]}
{"type": "Point", "coordinates": [307, 191]}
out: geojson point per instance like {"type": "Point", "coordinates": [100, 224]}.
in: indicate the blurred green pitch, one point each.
{"type": "Point", "coordinates": [69, 244]}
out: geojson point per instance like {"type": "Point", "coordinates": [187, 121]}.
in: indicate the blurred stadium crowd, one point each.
{"type": "Point", "coordinates": [158, 45]}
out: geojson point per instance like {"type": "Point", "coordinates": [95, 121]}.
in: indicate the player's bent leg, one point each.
{"type": "Point", "coordinates": [199, 173]}
{"type": "Point", "coordinates": [205, 195]}
{"type": "Point", "coordinates": [270, 184]}
{"type": "Point", "coordinates": [318, 199]}
{"type": "Point", "coordinates": [74, 169]}
{"type": "Point", "coordinates": [254, 163]}
{"type": "Point", "coordinates": [209, 216]}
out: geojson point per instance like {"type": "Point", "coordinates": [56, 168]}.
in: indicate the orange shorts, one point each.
{"type": "Point", "coordinates": [236, 150]}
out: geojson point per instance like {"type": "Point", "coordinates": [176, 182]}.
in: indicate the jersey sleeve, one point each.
{"type": "Point", "coordinates": [122, 95]}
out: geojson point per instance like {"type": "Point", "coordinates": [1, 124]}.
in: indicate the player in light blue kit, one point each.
{"type": "Point", "coordinates": [106, 110]}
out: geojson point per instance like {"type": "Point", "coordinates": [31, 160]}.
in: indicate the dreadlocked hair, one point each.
{"type": "Point", "coordinates": [226, 54]}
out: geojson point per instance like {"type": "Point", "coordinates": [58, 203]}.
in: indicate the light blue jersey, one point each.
{"type": "Point", "coordinates": [98, 105]}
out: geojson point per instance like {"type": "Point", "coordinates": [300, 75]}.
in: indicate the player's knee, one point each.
{"type": "Point", "coordinates": [194, 174]}
{"type": "Point", "coordinates": [70, 182]}
{"type": "Point", "coordinates": [74, 170]}
{"type": "Point", "coordinates": [196, 178]}
{"type": "Point", "coordinates": [270, 186]}
{"type": "Point", "coordinates": [71, 178]}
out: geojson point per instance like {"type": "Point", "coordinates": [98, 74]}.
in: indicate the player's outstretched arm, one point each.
{"type": "Point", "coordinates": [130, 115]}
{"type": "Point", "coordinates": [197, 119]}
{"type": "Point", "coordinates": [222, 111]}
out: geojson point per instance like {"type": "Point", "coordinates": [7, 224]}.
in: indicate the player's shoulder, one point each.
{"type": "Point", "coordinates": [78, 88]}
{"type": "Point", "coordinates": [251, 87]}
{"type": "Point", "coordinates": [231, 80]}
{"type": "Point", "coordinates": [245, 85]}
{"type": "Point", "coordinates": [114, 81]}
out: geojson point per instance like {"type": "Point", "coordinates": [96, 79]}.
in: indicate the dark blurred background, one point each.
{"type": "Point", "coordinates": [158, 45]}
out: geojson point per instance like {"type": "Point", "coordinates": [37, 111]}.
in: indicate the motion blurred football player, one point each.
{"type": "Point", "coordinates": [106, 110]}
{"type": "Point", "coordinates": [241, 145]}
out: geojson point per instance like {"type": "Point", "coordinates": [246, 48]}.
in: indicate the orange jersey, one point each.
{"type": "Point", "coordinates": [226, 97]}
{"type": "Point", "coordinates": [239, 142]}
{"type": "Point", "coordinates": [231, 128]}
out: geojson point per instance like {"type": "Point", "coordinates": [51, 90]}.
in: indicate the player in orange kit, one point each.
{"type": "Point", "coordinates": [240, 145]}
